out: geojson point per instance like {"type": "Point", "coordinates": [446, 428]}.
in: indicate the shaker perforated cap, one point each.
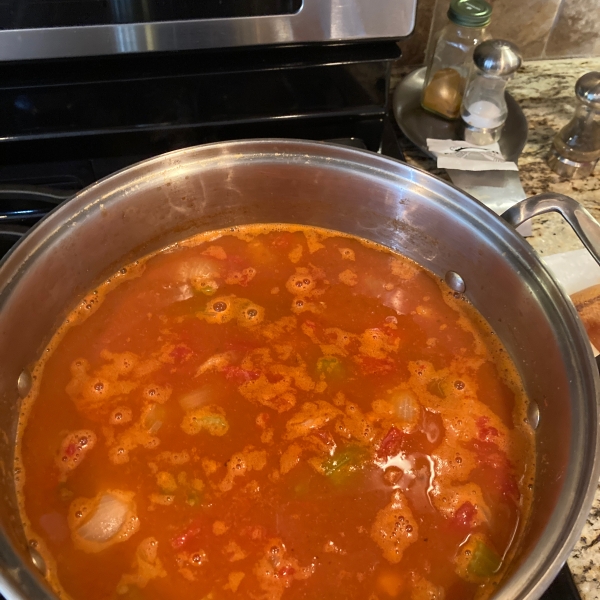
{"type": "Point", "coordinates": [497, 57]}
{"type": "Point", "coordinates": [470, 13]}
{"type": "Point", "coordinates": [587, 89]}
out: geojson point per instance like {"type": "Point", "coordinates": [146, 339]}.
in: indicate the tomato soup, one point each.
{"type": "Point", "coordinates": [274, 412]}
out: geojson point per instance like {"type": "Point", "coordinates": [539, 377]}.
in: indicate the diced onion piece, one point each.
{"type": "Point", "coordinates": [185, 292]}
{"type": "Point", "coordinates": [99, 522]}
{"type": "Point", "coordinates": [197, 398]}
{"type": "Point", "coordinates": [214, 363]}
{"type": "Point", "coordinates": [154, 418]}
{"type": "Point", "coordinates": [106, 519]}
{"type": "Point", "coordinates": [406, 408]}
{"type": "Point", "coordinates": [200, 271]}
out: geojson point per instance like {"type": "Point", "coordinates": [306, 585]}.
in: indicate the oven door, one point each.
{"type": "Point", "coordinates": [33, 29]}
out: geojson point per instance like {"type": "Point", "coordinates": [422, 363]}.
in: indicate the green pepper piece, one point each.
{"type": "Point", "coordinates": [193, 499]}
{"type": "Point", "coordinates": [344, 463]}
{"type": "Point", "coordinates": [485, 561]}
{"type": "Point", "coordinates": [214, 421]}
{"type": "Point", "coordinates": [207, 290]}
{"type": "Point", "coordinates": [330, 366]}
{"type": "Point", "coordinates": [209, 418]}
{"type": "Point", "coordinates": [64, 493]}
{"type": "Point", "coordinates": [437, 387]}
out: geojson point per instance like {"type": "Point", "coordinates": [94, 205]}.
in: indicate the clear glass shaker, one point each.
{"type": "Point", "coordinates": [484, 108]}
{"type": "Point", "coordinates": [576, 147]}
{"type": "Point", "coordinates": [451, 62]}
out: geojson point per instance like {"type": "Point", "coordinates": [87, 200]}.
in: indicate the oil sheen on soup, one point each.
{"type": "Point", "coordinates": [274, 412]}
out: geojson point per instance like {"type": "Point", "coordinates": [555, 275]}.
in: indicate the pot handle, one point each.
{"type": "Point", "coordinates": [575, 214]}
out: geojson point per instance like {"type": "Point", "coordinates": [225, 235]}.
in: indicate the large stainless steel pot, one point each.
{"type": "Point", "coordinates": [154, 203]}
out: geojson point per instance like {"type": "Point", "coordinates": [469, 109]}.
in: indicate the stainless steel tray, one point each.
{"type": "Point", "coordinates": [417, 124]}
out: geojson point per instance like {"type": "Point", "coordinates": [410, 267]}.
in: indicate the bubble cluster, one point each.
{"type": "Point", "coordinates": [157, 393]}
{"type": "Point", "coordinates": [226, 308]}
{"type": "Point", "coordinates": [347, 253]}
{"type": "Point", "coordinates": [120, 415]}
{"type": "Point", "coordinates": [73, 449]}
{"type": "Point", "coordinates": [301, 283]}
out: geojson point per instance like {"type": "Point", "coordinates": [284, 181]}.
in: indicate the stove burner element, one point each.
{"type": "Point", "coordinates": [9, 236]}
{"type": "Point", "coordinates": [28, 203]}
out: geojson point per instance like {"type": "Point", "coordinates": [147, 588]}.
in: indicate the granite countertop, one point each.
{"type": "Point", "coordinates": [545, 92]}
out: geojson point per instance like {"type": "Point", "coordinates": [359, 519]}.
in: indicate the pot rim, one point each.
{"type": "Point", "coordinates": [174, 164]}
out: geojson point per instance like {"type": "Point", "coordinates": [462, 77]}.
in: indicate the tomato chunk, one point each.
{"type": "Point", "coordinates": [391, 444]}
{"type": "Point", "coordinates": [486, 433]}
{"type": "Point", "coordinates": [376, 366]}
{"type": "Point", "coordinates": [192, 531]}
{"type": "Point", "coordinates": [239, 375]}
{"type": "Point", "coordinates": [464, 515]}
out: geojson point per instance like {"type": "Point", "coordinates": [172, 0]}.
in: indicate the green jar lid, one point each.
{"type": "Point", "coordinates": [470, 13]}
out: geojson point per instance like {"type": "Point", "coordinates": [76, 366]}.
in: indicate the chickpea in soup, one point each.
{"type": "Point", "coordinates": [274, 412]}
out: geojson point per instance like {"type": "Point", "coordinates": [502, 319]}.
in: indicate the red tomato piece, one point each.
{"type": "Point", "coordinates": [193, 530]}
{"type": "Point", "coordinates": [498, 469]}
{"type": "Point", "coordinates": [180, 353]}
{"type": "Point", "coordinates": [286, 571]}
{"type": "Point", "coordinates": [391, 444]}
{"type": "Point", "coordinates": [71, 449]}
{"type": "Point", "coordinates": [486, 433]}
{"type": "Point", "coordinates": [255, 532]}
{"type": "Point", "coordinates": [235, 260]}
{"type": "Point", "coordinates": [283, 240]}
{"type": "Point", "coordinates": [240, 345]}
{"type": "Point", "coordinates": [376, 366]}
{"type": "Point", "coordinates": [464, 515]}
{"type": "Point", "coordinates": [239, 375]}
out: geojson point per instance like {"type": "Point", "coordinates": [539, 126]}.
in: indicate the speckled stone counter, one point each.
{"type": "Point", "coordinates": [545, 92]}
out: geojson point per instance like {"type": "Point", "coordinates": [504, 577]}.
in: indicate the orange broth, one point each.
{"type": "Point", "coordinates": [274, 412]}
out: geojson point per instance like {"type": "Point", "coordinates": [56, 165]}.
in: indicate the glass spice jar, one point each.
{"type": "Point", "coordinates": [452, 58]}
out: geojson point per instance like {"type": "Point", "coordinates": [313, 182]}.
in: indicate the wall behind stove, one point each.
{"type": "Point", "coordinates": [541, 28]}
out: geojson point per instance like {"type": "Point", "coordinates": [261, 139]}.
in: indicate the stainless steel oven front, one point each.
{"type": "Point", "coordinates": [37, 29]}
